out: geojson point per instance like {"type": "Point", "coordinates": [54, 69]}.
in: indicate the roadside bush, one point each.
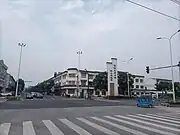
{"type": "Point", "coordinates": [12, 98]}
{"type": "Point", "coordinates": [118, 97]}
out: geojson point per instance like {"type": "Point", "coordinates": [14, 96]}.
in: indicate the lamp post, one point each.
{"type": "Point", "coordinates": [88, 83]}
{"type": "Point", "coordinates": [19, 67]}
{"type": "Point", "coordinates": [79, 53]}
{"type": "Point", "coordinates": [128, 76]}
{"type": "Point", "coordinates": [171, 59]}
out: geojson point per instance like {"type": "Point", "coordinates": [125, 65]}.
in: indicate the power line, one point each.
{"type": "Point", "coordinates": [176, 1]}
{"type": "Point", "coordinates": [153, 10]}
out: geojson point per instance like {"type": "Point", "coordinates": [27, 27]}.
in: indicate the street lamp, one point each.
{"type": "Point", "coordinates": [19, 68]}
{"type": "Point", "coordinates": [87, 82]}
{"type": "Point", "coordinates": [128, 75]}
{"type": "Point", "coordinates": [171, 58]}
{"type": "Point", "coordinates": [79, 53]}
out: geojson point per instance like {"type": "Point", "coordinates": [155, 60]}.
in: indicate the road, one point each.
{"type": "Point", "coordinates": [60, 102]}
{"type": "Point", "coordinates": [96, 119]}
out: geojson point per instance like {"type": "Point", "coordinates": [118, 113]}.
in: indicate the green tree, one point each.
{"type": "Point", "coordinates": [163, 85]}
{"type": "Point", "coordinates": [21, 85]}
{"type": "Point", "coordinates": [123, 82]}
{"type": "Point", "coordinates": [100, 81]}
{"type": "Point", "coordinates": [177, 89]}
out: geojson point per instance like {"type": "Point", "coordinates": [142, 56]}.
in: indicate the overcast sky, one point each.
{"type": "Point", "coordinates": [54, 30]}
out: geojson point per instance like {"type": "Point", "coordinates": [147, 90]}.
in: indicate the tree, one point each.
{"type": "Point", "coordinates": [177, 89]}
{"type": "Point", "coordinates": [100, 81]}
{"type": "Point", "coordinates": [123, 82]}
{"type": "Point", "coordinates": [163, 85]}
{"type": "Point", "coordinates": [21, 85]}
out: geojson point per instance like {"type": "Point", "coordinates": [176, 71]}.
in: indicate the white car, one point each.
{"type": "Point", "coordinates": [6, 94]}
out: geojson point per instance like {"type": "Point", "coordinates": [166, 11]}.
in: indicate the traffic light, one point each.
{"type": "Point", "coordinates": [147, 69]}
{"type": "Point", "coordinates": [179, 64]}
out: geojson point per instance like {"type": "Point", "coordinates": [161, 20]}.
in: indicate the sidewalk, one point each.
{"type": "Point", "coordinates": [2, 100]}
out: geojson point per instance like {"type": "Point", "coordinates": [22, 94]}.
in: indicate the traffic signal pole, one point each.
{"type": "Point", "coordinates": [178, 65]}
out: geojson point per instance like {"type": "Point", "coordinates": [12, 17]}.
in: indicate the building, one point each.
{"type": "Point", "coordinates": [3, 75]}
{"type": "Point", "coordinates": [10, 83]}
{"type": "Point", "coordinates": [112, 77]}
{"type": "Point", "coordinates": [143, 85]}
{"type": "Point", "coordinates": [74, 82]}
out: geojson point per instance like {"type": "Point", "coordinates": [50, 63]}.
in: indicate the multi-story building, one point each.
{"type": "Point", "coordinates": [75, 82]}
{"type": "Point", "coordinates": [143, 85]}
{"type": "Point", "coordinates": [10, 83]}
{"type": "Point", "coordinates": [3, 75]}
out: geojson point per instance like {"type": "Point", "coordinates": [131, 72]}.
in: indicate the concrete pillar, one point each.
{"type": "Point", "coordinates": [112, 77]}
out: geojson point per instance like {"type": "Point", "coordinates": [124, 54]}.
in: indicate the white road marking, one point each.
{"type": "Point", "coordinates": [141, 126]}
{"type": "Point", "coordinates": [167, 117]}
{"type": "Point", "coordinates": [4, 128]}
{"type": "Point", "coordinates": [98, 127]}
{"type": "Point", "coordinates": [53, 129]}
{"type": "Point", "coordinates": [76, 128]}
{"type": "Point", "coordinates": [132, 131]}
{"type": "Point", "coordinates": [28, 128]}
{"type": "Point", "coordinates": [149, 123]}
{"type": "Point", "coordinates": [162, 122]}
{"type": "Point", "coordinates": [155, 117]}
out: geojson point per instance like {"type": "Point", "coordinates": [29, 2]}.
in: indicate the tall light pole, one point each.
{"type": "Point", "coordinates": [19, 68]}
{"type": "Point", "coordinates": [79, 53]}
{"type": "Point", "coordinates": [171, 58]}
{"type": "Point", "coordinates": [128, 76]}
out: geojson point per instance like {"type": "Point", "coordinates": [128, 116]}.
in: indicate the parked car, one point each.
{"type": "Point", "coordinates": [29, 96]}
{"type": "Point", "coordinates": [6, 94]}
{"type": "Point", "coordinates": [38, 95]}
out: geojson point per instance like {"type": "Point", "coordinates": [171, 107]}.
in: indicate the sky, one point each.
{"type": "Point", "coordinates": [54, 30]}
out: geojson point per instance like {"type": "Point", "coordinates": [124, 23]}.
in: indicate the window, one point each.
{"type": "Point", "coordinates": [142, 87]}
{"type": "Point", "coordinates": [141, 80]}
{"type": "Point", "coordinates": [137, 80]}
{"type": "Point", "coordinates": [97, 93]}
{"type": "Point", "coordinates": [103, 92]}
{"type": "Point", "coordinates": [71, 82]}
{"type": "Point", "coordinates": [137, 86]}
{"type": "Point", "coordinates": [72, 75]}
{"type": "Point", "coordinates": [64, 76]}
{"type": "Point", "coordinates": [90, 76]}
{"type": "Point", "coordinates": [83, 82]}
{"type": "Point", "coordinates": [132, 86]}
{"type": "Point", "coordinates": [137, 93]}
{"type": "Point", "coordinates": [90, 83]}
{"type": "Point", "coordinates": [83, 75]}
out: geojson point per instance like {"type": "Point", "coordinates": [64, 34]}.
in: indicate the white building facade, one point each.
{"type": "Point", "coordinates": [112, 77]}
{"type": "Point", "coordinates": [74, 82]}
{"type": "Point", "coordinates": [143, 85]}
{"type": "Point", "coordinates": [3, 75]}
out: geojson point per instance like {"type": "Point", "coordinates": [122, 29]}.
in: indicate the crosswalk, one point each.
{"type": "Point", "coordinates": [130, 124]}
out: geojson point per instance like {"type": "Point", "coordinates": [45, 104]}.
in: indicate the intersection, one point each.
{"type": "Point", "coordinates": [78, 117]}
{"type": "Point", "coordinates": [90, 121]}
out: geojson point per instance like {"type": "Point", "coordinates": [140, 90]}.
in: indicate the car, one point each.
{"type": "Point", "coordinates": [5, 94]}
{"type": "Point", "coordinates": [29, 96]}
{"type": "Point", "coordinates": [38, 95]}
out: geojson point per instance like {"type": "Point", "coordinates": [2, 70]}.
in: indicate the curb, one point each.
{"type": "Point", "coordinates": [2, 101]}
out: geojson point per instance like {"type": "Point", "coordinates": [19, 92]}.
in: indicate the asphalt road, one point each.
{"type": "Point", "coordinates": [99, 120]}
{"type": "Point", "coordinates": [61, 102]}
{"type": "Point", "coordinates": [63, 116]}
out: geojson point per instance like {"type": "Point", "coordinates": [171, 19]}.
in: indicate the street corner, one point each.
{"type": "Point", "coordinates": [2, 100]}
{"type": "Point", "coordinates": [169, 109]}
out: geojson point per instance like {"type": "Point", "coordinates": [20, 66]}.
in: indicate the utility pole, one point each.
{"type": "Point", "coordinates": [79, 53]}
{"type": "Point", "coordinates": [179, 71]}
{"type": "Point", "coordinates": [19, 68]}
{"type": "Point", "coordinates": [171, 59]}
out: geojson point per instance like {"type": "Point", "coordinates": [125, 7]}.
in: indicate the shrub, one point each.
{"type": "Point", "coordinates": [12, 98]}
